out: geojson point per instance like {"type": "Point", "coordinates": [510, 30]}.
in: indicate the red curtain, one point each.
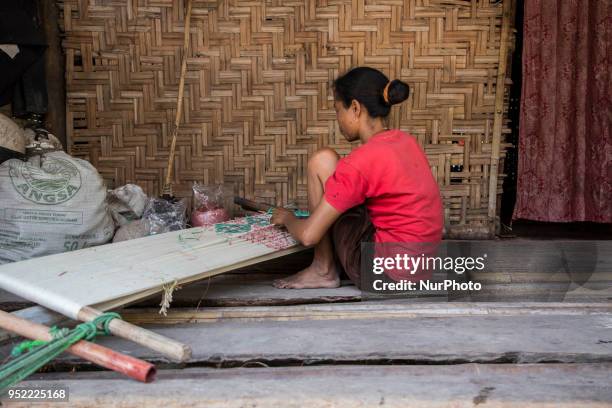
{"type": "Point", "coordinates": [565, 149]}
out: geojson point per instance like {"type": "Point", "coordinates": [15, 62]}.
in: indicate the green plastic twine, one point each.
{"type": "Point", "coordinates": [301, 213]}
{"type": "Point", "coordinates": [41, 352]}
{"type": "Point", "coordinates": [298, 213]}
{"type": "Point", "coordinates": [233, 228]}
{"type": "Point", "coordinates": [26, 346]}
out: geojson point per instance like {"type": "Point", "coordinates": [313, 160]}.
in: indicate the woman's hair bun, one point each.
{"type": "Point", "coordinates": [371, 88]}
{"type": "Point", "coordinates": [397, 92]}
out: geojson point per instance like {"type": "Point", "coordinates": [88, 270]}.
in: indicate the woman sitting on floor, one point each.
{"type": "Point", "coordinates": [389, 173]}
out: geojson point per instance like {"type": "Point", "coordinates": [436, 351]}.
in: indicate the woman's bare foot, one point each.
{"type": "Point", "coordinates": [315, 276]}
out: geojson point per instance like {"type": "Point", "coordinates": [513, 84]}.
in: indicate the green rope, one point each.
{"type": "Point", "coordinates": [41, 352]}
{"type": "Point", "coordinates": [26, 346]}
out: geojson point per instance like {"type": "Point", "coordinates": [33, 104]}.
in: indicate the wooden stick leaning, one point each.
{"type": "Point", "coordinates": [132, 367]}
{"type": "Point", "coordinates": [251, 205]}
{"type": "Point", "coordinates": [35, 314]}
{"type": "Point", "coordinates": [170, 348]}
{"type": "Point", "coordinates": [179, 103]}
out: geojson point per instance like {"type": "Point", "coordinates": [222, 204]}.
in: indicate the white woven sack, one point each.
{"type": "Point", "coordinates": [50, 204]}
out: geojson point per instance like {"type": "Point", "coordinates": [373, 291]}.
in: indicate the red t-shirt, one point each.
{"type": "Point", "coordinates": [391, 174]}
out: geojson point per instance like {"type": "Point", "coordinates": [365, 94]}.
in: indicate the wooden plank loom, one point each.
{"type": "Point", "coordinates": [113, 275]}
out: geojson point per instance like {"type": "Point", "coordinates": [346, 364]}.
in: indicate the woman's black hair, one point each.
{"type": "Point", "coordinates": [367, 86]}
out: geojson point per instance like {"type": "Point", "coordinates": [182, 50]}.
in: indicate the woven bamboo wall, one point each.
{"type": "Point", "coordinates": [257, 96]}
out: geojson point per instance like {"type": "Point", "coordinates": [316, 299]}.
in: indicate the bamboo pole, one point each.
{"type": "Point", "coordinates": [499, 112]}
{"type": "Point", "coordinates": [179, 103]}
{"type": "Point", "coordinates": [36, 314]}
{"type": "Point", "coordinates": [132, 367]}
{"type": "Point", "coordinates": [146, 338]}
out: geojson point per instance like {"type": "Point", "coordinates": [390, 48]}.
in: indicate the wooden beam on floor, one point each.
{"type": "Point", "coordinates": [365, 310]}
{"type": "Point", "coordinates": [466, 385]}
{"type": "Point", "coordinates": [435, 336]}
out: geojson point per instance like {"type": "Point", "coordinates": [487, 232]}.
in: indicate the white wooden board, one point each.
{"type": "Point", "coordinates": [116, 274]}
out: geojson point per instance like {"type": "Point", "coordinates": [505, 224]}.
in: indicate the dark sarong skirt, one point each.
{"type": "Point", "coordinates": [348, 232]}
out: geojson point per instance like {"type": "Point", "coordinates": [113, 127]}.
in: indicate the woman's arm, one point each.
{"type": "Point", "coordinates": [311, 230]}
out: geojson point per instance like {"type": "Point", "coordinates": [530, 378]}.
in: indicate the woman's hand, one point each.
{"type": "Point", "coordinates": [281, 216]}
{"type": "Point", "coordinates": [308, 231]}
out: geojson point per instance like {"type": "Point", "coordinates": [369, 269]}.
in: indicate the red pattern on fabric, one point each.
{"type": "Point", "coordinates": [258, 231]}
{"type": "Point", "coordinates": [565, 149]}
{"type": "Point", "coordinates": [272, 237]}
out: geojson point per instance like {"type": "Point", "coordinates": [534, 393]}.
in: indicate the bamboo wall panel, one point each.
{"type": "Point", "coordinates": [258, 101]}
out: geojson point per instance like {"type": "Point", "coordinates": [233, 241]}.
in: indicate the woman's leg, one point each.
{"type": "Point", "coordinates": [322, 273]}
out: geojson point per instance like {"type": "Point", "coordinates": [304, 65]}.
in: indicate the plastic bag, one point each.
{"type": "Point", "coordinates": [126, 203]}
{"type": "Point", "coordinates": [164, 216]}
{"type": "Point", "coordinates": [132, 230]}
{"type": "Point", "coordinates": [208, 208]}
{"type": "Point", "coordinates": [207, 197]}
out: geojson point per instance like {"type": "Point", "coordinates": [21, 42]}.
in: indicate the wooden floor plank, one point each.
{"type": "Point", "coordinates": [426, 339]}
{"type": "Point", "coordinates": [539, 292]}
{"type": "Point", "coordinates": [402, 308]}
{"type": "Point", "coordinates": [466, 385]}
